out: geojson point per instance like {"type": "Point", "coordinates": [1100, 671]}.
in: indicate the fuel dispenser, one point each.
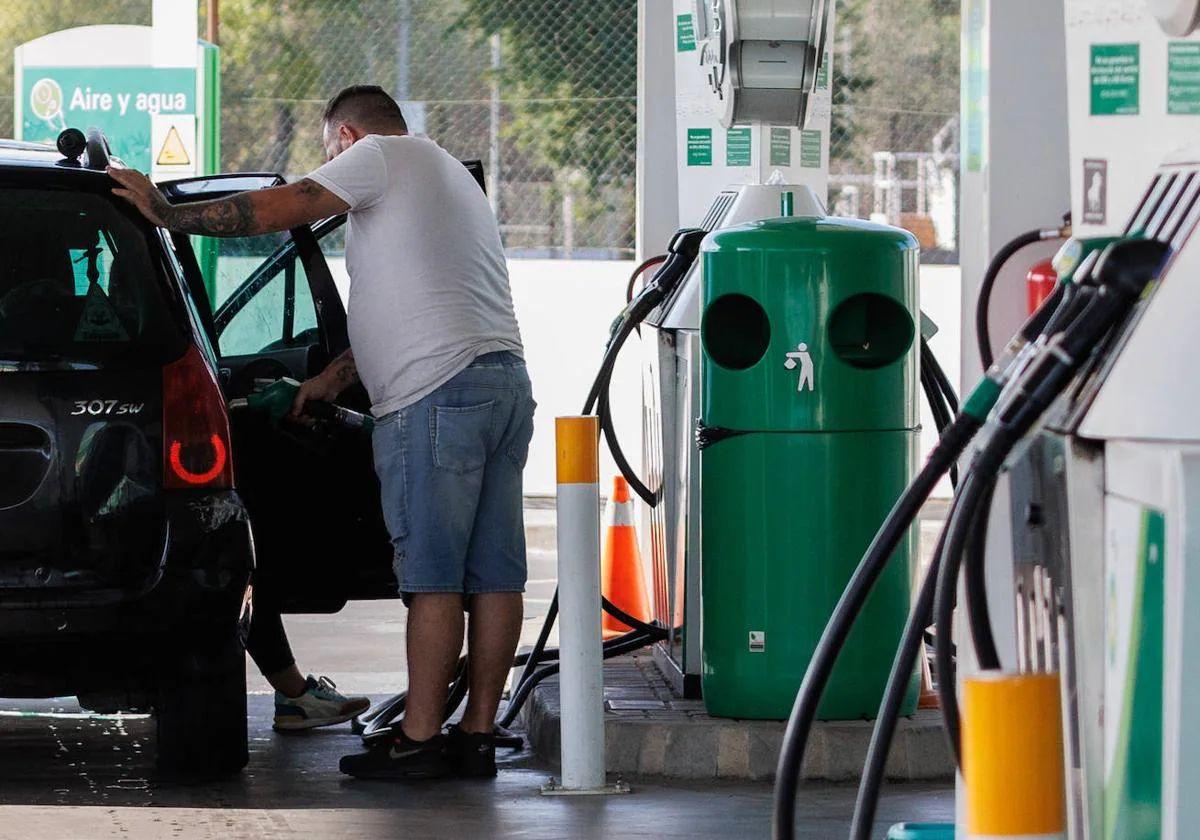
{"type": "Point", "coordinates": [1089, 412]}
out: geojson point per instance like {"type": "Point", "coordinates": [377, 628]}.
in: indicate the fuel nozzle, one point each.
{"type": "Point", "coordinates": [275, 397]}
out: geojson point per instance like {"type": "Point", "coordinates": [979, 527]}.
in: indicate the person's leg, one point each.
{"type": "Point", "coordinates": [495, 629]}
{"type": "Point", "coordinates": [300, 702]}
{"type": "Point", "coordinates": [267, 644]}
{"type": "Point", "coordinates": [287, 681]}
{"type": "Point", "coordinates": [496, 563]}
{"type": "Point", "coordinates": [435, 638]}
{"type": "Point", "coordinates": [430, 460]}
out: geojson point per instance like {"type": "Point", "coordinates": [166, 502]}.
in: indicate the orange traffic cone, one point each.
{"type": "Point", "coordinates": [622, 579]}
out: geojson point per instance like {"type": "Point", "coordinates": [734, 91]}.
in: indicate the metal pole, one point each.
{"type": "Point", "coordinates": [403, 28]}
{"type": "Point", "coordinates": [213, 22]}
{"type": "Point", "coordinates": [494, 128]}
{"type": "Point", "coordinates": [568, 214]}
{"type": "Point", "coordinates": [581, 679]}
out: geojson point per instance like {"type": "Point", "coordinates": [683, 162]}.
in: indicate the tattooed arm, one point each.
{"type": "Point", "coordinates": [338, 375]}
{"type": "Point", "coordinates": [244, 214]}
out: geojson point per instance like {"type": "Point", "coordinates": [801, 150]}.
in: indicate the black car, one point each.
{"type": "Point", "coordinates": [135, 507]}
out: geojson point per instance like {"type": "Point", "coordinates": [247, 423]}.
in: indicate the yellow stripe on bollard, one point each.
{"type": "Point", "coordinates": [577, 443]}
{"type": "Point", "coordinates": [581, 678]}
{"type": "Point", "coordinates": [1012, 754]}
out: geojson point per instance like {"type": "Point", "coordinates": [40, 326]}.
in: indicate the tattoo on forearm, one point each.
{"type": "Point", "coordinates": [345, 371]}
{"type": "Point", "coordinates": [309, 188]}
{"type": "Point", "coordinates": [233, 216]}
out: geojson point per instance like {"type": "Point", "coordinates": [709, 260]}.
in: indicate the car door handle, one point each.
{"type": "Point", "coordinates": [224, 374]}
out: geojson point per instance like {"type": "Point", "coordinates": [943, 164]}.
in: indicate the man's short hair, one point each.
{"type": "Point", "coordinates": [368, 106]}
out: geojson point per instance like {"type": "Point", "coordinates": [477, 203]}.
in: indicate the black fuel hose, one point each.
{"type": "Point", "coordinates": [943, 383]}
{"type": "Point", "coordinates": [974, 411]}
{"type": "Point", "coordinates": [1123, 273]}
{"type": "Point", "coordinates": [674, 266]}
{"type": "Point", "coordinates": [983, 304]}
{"type": "Point", "coordinates": [975, 583]}
{"type": "Point", "coordinates": [912, 641]}
{"type": "Point", "coordinates": [898, 521]}
{"type": "Point", "coordinates": [639, 271]}
{"type": "Point", "coordinates": [911, 645]}
{"type": "Point", "coordinates": [921, 616]}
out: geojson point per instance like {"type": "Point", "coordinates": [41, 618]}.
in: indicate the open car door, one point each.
{"type": "Point", "coordinates": [312, 492]}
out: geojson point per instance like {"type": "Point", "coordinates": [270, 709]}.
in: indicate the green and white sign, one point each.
{"type": "Point", "coordinates": [738, 143]}
{"type": "Point", "coordinates": [781, 147]}
{"type": "Point", "coordinates": [1116, 72]}
{"type": "Point", "coordinates": [1133, 680]}
{"type": "Point", "coordinates": [120, 101]}
{"type": "Point", "coordinates": [152, 90]}
{"type": "Point", "coordinates": [699, 147]}
{"type": "Point", "coordinates": [810, 149]}
{"type": "Point", "coordinates": [685, 34]}
{"type": "Point", "coordinates": [823, 73]}
{"type": "Point", "coordinates": [1183, 77]}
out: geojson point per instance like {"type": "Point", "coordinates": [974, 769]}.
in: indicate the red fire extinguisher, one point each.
{"type": "Point", "coordinates": [1039, 284]}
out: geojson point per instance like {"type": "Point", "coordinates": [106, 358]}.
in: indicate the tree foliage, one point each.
{"type": "Point", "coordinates": [899, 61]}
{"type": "Point", "coordinates": [571, 75]}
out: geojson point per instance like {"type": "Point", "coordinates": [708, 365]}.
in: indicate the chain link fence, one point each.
{"type": "Point", "coordinates": [544, 92]}
{"type": "Point", "coordinates": [895, 135]}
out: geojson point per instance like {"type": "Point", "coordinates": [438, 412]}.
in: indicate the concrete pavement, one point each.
{"type": "Point", "coordinates": [65, 775]}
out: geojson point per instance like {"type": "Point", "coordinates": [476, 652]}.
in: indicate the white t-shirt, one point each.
{"type": "Point", "coordinates": [428, 283]}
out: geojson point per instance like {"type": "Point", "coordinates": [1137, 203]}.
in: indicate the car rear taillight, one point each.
{"type": "Point", "coordinates": [195, 427]}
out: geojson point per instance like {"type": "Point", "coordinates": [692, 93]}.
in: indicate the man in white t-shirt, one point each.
{"type": "Point", "coordinates": [434, 338]}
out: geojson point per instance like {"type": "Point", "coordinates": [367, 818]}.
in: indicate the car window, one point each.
{"type": "Point", "coordinates": [262, 294]}
{"type": "Point", "coordinates": [333, 246]}
{"type": "Point", "coordinates": [77, 282]}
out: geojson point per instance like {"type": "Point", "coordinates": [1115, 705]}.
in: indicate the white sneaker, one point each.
{"type": "Point", "coordinates": [321, 704]}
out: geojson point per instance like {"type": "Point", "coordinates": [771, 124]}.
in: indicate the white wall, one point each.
{"type": "Point", "coordinates": [566, 308]}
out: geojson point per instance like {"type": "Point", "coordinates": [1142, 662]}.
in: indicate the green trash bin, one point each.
{"type": "Point", "coordinates": [809, 433]}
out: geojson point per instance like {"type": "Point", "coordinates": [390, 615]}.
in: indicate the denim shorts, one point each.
{"type": "Point", "coordinates": [450, 472]}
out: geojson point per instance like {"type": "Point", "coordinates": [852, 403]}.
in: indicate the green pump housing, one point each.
{"type": "Point", "coordinates": [809, 434]}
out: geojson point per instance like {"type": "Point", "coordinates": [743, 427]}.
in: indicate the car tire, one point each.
{"type": "Point", "coordinates": [201, 714]}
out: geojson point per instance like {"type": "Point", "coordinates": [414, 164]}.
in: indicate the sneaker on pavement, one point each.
{"type": "Point", "coordinates": [400, 759]}
{"type": "Point", "coordinates": [472, 754]}
{"type": "Point", "coordinates": [321, 704]}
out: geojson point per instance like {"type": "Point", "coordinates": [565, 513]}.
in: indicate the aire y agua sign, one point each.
{"type": "Point", "coordinates": [121, 101]}
{"type": "Point", "coordinates": [152, 90]}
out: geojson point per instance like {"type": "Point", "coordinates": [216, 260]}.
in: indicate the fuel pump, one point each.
{"type": "Point", "coordinates": [1090, 413]}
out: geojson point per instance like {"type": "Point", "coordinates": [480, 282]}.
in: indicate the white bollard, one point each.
{"type": "Point", "coordinates": [581, 677]}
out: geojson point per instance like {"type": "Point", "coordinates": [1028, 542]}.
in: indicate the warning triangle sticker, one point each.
{"type": "Point", "coordinates": [99, 321]}
{"type": "Point", "coordinates": [173, 152]}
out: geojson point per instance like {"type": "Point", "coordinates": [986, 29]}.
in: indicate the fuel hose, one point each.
{"type": "Point", "coordinates": [833, 638]}
{"type": "Point", "coordinates": [953, 442]}
{"type": "Point", "coordinates": [1123, 273]}
{"type": "Point", "coordinates": [983, 304]}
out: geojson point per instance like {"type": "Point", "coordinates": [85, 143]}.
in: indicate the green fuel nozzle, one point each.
{"type": "Point", "coordinates": [275, 397]}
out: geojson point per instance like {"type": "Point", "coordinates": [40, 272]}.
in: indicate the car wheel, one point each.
{"type": "Point", "coordinates": [201, 714]}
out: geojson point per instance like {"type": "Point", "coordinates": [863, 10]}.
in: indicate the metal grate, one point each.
{"type": "Point", "coordinates": [1170, 209]}
{"type": "Point", "coordinates": [719, 210]}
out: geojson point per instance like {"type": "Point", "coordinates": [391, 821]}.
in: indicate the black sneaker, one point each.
{"type": "Point", "coordinates": [400, 759]}
{"type": "Point", "coordinates": [471, 754]}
